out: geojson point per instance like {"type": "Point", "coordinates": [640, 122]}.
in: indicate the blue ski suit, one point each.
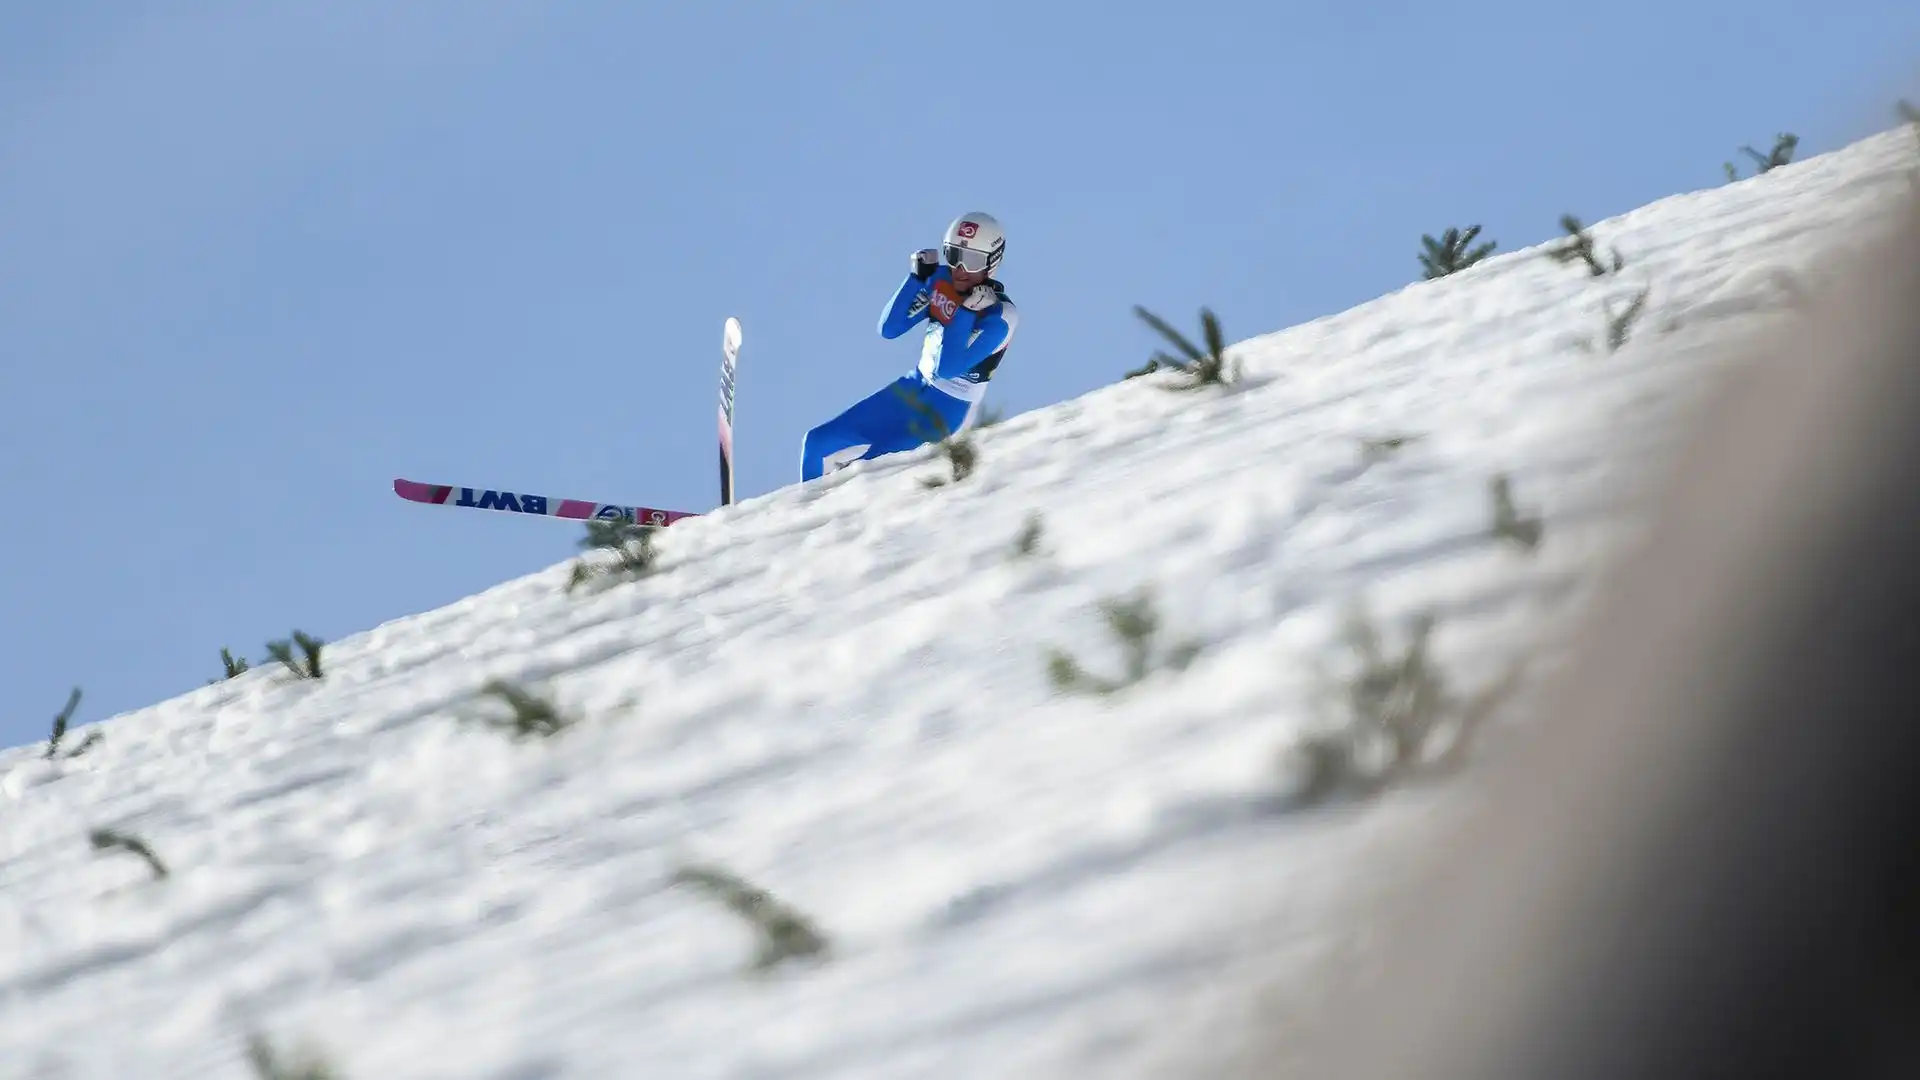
{"type": "Point", "coordinates": [959, 354]}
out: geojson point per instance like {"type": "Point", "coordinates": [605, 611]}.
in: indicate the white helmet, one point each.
{"type": "Point", "coordinates": [974, 242]}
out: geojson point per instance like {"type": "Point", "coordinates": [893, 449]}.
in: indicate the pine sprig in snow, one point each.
{"type": "Point", "coordinates": [961, 455]}
{"type": "Point", "coordinates": [1135, 625]}
{"type": "Point", "coordinates": [1508, 523]}
{"type": "Point", "coordinates": [267, 1063]}
{"type": "Point", "coordinates": [60, 722]}
{"type": "Point", "coordinates": [617, 549]}
{"type": "Point", "coordinates": [1210, 367]}
{"type": "Point", "coordinates": [1784, 145]}
{"type": "Point", "coordinates": [1397, 717]}
{"type": "Point", "coordinates": [1579, 247]}
{"type": "Point", "coordinates": [235, 666]}
{"type": "Point", "coordinates": [308, 664]}
{"type": "Point", "coordinates": [1027, 543]}
{"type": "Point", "coordinates": [1453, 252]}
{"type": "Point", "coordinates": [532, 716]}
{"type": "Point", "coordinates": [113, 840]}
{"type": "Point", "coordinates": [782, 932]}
{"type": "Point", "coordinates": [956, 447]}
{"type": "Point", "coordinates": [1620, 324]}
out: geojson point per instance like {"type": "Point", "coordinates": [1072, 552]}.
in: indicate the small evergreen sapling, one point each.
{"type": "Point", "coordinates": [956, 447]}
{"type": "Point", "coordinates": [1508, 524]}
{"type": "Point", "coordinates": [961, 455]}
{"type": "Point", "coordinates": [1028, 542]}
{"type": "Point", "coordinates": [1392, 710]}
{"type": "Point", "coordinates": [1620, 325]}
{"type": "Point", "coordinates": [94, 738]}
{"type": "Point", "coordinates": [235, 666]}
{"type": "Point", "coordinates": [532, 716]}
{"type": "Point", "coordinates": [1578, 246]}
{"type": "Point", "coordinates": [308, 664]}
{"type": "Point", "coordinates": [1136, 626]}
{"type": "Point", "coordinates": [1201, 369]}
{"type": "Point", "coordinates": [267, 1064]}
{"type": "Point", "coordinates": [629, 552]}
{"type": "Point", "coordinates": [112, 840]}
{"type": "Point", "coordinates": [1784, 145]}
{"type": "Point", "coordinates": [1401, 697]}
{"type": "Point", "coordinates": [60, 722]}
{"type": "Point", "coordinates": [1453, 252]}
{"type": "Point", "coordinates": [783, 933]}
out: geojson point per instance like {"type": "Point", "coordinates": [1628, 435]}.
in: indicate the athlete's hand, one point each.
{"type": "Point", "coordinates": [981, 298]}
{"type": "Point", "coordinates": [924, 262]}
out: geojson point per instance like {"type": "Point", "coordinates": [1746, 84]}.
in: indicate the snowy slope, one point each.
{"type": "Point", "coordinates": [834, 695]}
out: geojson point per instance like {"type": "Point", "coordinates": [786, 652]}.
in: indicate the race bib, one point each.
{"type": "Point", "coordinates": [944, 302]}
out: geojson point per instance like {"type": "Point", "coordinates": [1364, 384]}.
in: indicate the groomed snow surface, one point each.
{"type": "Point", "coordinates": [833, 693]}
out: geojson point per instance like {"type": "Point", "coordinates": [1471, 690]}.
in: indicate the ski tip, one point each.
{"type": "Point", "coordinates": [414, 491]}
{"type": "Point", "coordinates": [730, 336]}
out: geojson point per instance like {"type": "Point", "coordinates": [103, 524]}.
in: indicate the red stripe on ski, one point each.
{"type": "Point", "coordinates": [527, 503]}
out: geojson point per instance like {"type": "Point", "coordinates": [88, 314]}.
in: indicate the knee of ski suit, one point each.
{"type": "Point", "coordinates": [962, 347]}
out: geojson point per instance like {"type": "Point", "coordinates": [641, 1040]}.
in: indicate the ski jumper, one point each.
{"type": "Point", "coordinates": [958, 356]}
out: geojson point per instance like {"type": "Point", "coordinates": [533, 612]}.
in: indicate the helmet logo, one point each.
{"type": "Point", "coordinates": [968, 230]}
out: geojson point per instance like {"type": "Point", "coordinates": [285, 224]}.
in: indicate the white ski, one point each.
{"type": "Point", "coordinates": [729, 354]}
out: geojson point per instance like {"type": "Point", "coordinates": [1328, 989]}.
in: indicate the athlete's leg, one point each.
{"type": "Point", "coordinates": [900, 416]}
{"type": "Point", "coordinates": [830, 446]}
{"type": "Point", "coordinates": [847, 438]}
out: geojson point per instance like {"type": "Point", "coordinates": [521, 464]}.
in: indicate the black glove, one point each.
{"type": "Point", "coordinates": [924, 262]}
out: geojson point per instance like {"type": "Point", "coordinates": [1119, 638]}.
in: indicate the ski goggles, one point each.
{"type": "Point", "coordinates": [973, 262]}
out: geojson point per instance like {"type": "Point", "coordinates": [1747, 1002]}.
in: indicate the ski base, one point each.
{"type": "Point", "coordinates": [538, 505]}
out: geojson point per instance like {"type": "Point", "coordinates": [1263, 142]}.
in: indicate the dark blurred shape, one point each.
{"type": "Point", "coordinates": [1703, 857]}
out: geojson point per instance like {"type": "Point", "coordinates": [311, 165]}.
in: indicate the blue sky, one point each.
{"type": "Point", "coordinates": [257, 260]}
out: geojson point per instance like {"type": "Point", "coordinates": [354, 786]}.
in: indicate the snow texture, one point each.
{"type": "Point", "coordinates": [835, 694]}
